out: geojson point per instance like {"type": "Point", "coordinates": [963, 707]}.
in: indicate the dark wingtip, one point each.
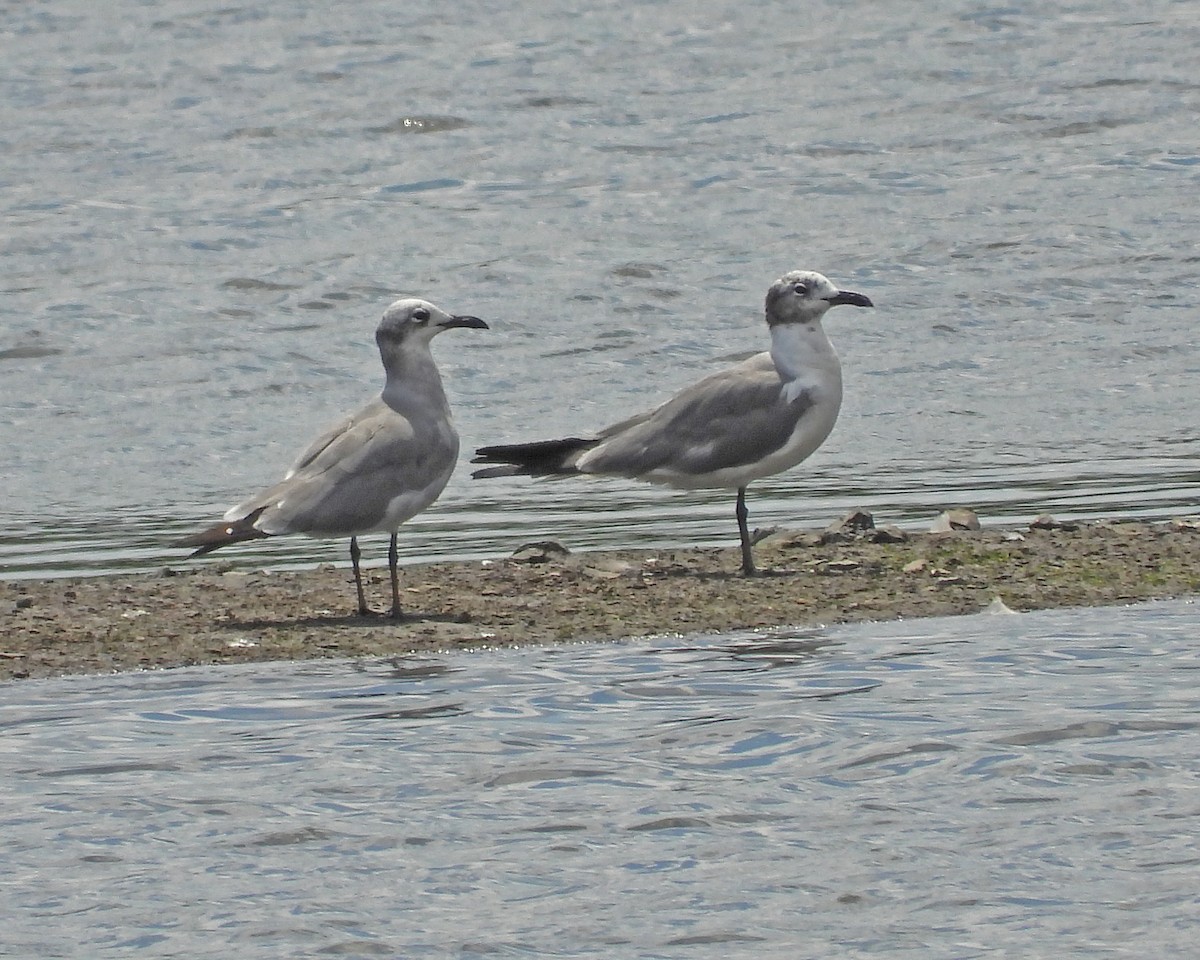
{"type": "Point", "coordinates": [539, 459]}
{"type": "Point", "coordinates": [503, 471]}
{"type": "Point", "coordinates": [222, 534]}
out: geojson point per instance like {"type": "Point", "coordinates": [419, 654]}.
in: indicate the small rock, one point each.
{"type": "Point", "coordinates": [1047, 522]}
{"type": "Point", "coordinates": [608, 569]}
{"type": "Point", "coordinates": [762, 533]}
{"type": "Point", "coordinates": [888, 534]}
{"type": "Point", "coordinates": [851, 526]}
{"type": "Point", "coordinates": [951, 520]}
{"type": "Point", "coordinates": [540, 551]}
{"type": "Point", "coordinates": [23, 603]}
{"type": "Point", "coordinates": [801, 541]}
{"type": "Point", "coordinates": [843, 565]}
{"type": "Point", "coordinates": [915, 566]}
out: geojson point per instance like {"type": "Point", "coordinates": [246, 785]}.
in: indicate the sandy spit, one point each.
{"type": "Point", "coordinates": [209, 614]}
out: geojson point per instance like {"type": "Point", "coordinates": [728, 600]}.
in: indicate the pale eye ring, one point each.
{"type": "Point", "coordinates": [801, 288]}
{"type": "Point", "coordinates": [420, 314]}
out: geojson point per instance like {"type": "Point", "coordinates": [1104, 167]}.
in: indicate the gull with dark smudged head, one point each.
{"type": "Point", "coordinates": [752, 420]}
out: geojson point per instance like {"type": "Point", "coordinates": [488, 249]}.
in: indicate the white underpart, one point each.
{"type": "Point", "coordinates": [407, 505]}
{"type": "Point", "coordinates": [807, 364]}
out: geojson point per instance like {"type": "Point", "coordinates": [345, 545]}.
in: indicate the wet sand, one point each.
{"type": "Point", "coordinates": [209, 614]}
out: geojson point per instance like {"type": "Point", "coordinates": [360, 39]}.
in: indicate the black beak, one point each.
{"type": "Point", "coordinates": [849, 298]}
{"type": "Point", "coordinates": [473, 322]}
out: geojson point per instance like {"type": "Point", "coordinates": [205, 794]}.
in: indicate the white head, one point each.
{"type": "Point", "coordinates": [412, 320]}
{"type": "Point", "coordinates": [803, 296]}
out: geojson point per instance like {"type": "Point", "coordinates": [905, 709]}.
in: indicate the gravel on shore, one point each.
{"type": "Point", "coordinates": [216, 614]}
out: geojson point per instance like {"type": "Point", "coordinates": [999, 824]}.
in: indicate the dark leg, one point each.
{"type": "Point", "coordinates": [393, 557]}
{"type": "Point", "coordinates": [748, 567]}
{"type": "Point", "coordinates": [355, 553]}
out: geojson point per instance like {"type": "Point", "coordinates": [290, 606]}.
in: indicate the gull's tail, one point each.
{"type": "Point", "coordinates": [545, 458]}
{"type": "Point", "coordinates": [222, 535]}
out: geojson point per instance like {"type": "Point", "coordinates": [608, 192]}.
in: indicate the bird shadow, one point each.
{"type": "Point", "coordinates": [736, 576]}
{"type": "Point", "coordinates": [370, 619]}
{"type": "Point", "coordinates": [726, 576]}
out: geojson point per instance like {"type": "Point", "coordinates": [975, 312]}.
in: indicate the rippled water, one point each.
{"type": "Point", "coordinates": [207, 206]}
{"type": "Point", "coordinates": [979, 786]}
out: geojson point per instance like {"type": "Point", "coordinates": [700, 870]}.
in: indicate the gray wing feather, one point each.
{"type": "Point", "coordinates": [346, 479]}
{"type": "Point", "coordinates": [729, 419]}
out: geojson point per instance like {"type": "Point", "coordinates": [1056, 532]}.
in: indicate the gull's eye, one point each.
{"type": "Point", "coordinates": [801, 289]}
{"type": "Point", "coordinates": [420, 314]}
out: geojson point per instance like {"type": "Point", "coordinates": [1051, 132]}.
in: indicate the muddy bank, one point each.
{"type": "Point", "coordinates": [193, 614]}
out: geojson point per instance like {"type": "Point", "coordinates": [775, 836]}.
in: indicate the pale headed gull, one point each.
{"type": "Point", "coordinates": [374, 470]}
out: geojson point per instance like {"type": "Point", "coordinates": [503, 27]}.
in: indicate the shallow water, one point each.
{"type": "Point", "coordinates": [208, 206]}
{"type": "Point", "coordinates": [1017, 785]}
